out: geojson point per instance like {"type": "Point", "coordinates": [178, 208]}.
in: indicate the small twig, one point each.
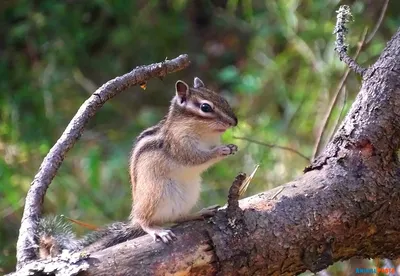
{"type": "Point", "coordinates": [52, 162]}
{"type": "Point", "coordinates": [344, 16]}
{"type": "Point", "coordinates": [318, 143]}
{"type": "Point", "coordinates": [233, 196]}
{"type": "Point", "coordinates": [336, 125]}
{"type": "Point", "coordinates": [305, 97]}
{"type": "Point", "coordinates": [378, 24]}
{"type": "Point", "coordinates": [273, 146]}
{"type": "Point", "coordinates": [86, 83]}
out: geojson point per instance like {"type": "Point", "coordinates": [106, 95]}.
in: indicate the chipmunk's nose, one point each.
{"type": "Point", "coordinates": [235, 121]}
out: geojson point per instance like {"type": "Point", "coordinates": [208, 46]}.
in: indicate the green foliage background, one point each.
{"type": "Point", "coordinates": [274, 61]}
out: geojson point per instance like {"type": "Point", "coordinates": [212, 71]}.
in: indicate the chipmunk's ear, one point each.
{"type": "Point", "coordinates": [197, 83]}
{"type": "Point", "coordinates": [182, 91]}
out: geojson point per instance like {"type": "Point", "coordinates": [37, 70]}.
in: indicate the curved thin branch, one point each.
{"type": "Point", "coordinates": [339, 117]}
{"type": "Point", "coordinates": [273, 146]}
{"type": "Point", "coordinates": [378, 24]}
{"type": "Point", "coordinates": [52, 162]}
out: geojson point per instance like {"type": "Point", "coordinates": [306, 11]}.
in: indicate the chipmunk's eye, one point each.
{"type": "Point", "coordinates": [205, 107]}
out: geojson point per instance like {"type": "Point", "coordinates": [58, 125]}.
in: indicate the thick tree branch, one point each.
{"type": "Point", "coordinates": [53, 160]}
{"type": "Point", "coordinates": [311, 224]}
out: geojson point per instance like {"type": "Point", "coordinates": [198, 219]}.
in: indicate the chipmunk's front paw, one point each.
{"type": "Point", "coordinates": [228, 150]}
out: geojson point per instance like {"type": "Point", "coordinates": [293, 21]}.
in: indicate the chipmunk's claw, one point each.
{"type": "Point", "coordinates": [160, 234]}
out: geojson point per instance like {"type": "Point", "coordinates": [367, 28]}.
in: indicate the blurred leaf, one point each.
{"type": "Point", "coordinates": [229, 74]}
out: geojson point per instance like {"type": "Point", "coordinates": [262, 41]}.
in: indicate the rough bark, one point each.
{"type": "Point", "coordinates": [53, 160]}
{"type": "Point", "coordinates": [346, 204]}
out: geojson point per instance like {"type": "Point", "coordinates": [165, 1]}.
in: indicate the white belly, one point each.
{"type": "Point", "coordinates": [182, 191]}
{"type": "Point", "coordinates": [180, 194]}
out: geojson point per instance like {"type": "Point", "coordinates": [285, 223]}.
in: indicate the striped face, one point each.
{"type": "Point", "coordinates": [204, 106]}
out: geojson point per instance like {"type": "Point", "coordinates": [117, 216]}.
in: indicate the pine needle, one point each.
{"type": "Point", "coordinates": [247, 181]}
{"type": "Point", "coordinates": [81, 223]}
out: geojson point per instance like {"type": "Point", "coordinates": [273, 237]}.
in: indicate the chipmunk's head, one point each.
{"type": "Point", "coordinates": [204, 109]}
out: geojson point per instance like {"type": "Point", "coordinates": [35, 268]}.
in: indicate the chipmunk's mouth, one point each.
{"type": "Point", "coordinates": [221, 129]}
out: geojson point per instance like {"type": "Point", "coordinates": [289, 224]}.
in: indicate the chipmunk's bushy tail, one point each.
{"type": "Point", "coordinates": [55, 235]}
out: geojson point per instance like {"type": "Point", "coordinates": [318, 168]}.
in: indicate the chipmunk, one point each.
{"type": "Point", "coordinates": [165, 168]}
{"type": "Point", "coordinates": [168, 159]}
